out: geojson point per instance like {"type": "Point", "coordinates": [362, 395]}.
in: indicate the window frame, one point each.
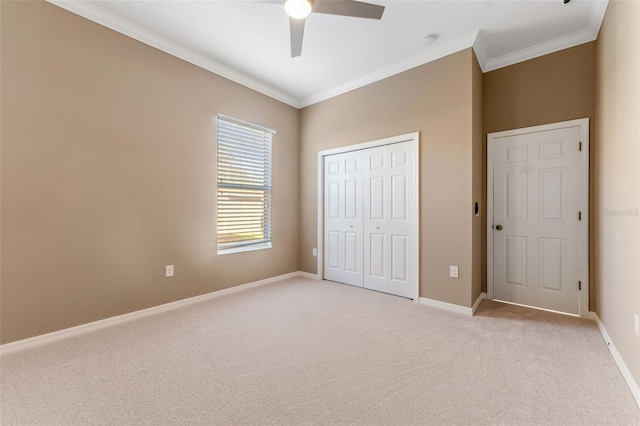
{"type": "Point", "coordinates": [254, 181]}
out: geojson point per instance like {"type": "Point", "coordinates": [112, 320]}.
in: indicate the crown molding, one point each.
{"type": "Point", "coordinates": [474, 40]}
{"type": "Point", "coordinates": [106, 19]}
{"type": "Point", "coordinates": [481, 51]}
{"type": "Point", "coordinates": [538, 50]}
{"type": "Point", "coordinates": [438, 52]}
{"type": "Point", "coordinates": [598, 10]}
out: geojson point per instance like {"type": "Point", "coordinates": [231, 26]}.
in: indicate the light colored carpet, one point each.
{"type": "Point", "coordinates": [308, 352]}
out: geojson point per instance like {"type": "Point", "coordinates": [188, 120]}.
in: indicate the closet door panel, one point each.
{"type": "Point", "coordinates": [398, 198]}
{"type": "Point", "coordinates": [333, 217]}
{"type": "Point", "coordinates": [400, 224]}
{"type": "Point", "coordinates": [399, 258]}
{"type": "Point", "coordinates": [343, 218]}
{"type": "Point", "coordinates": [376, 256]}
{"type": "Point", "coordinates": [377, 259]}
{"type": "Point", "coordinates": [353, 213]}
{"type": "Point", "coordinates": [351, 245]}
{"type": "Point", "coordinates": [376, 198]}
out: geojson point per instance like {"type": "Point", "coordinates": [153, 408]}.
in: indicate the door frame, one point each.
{"type": "Point", "coordinates": [583, 233]}
{"type": "Point", "coordinates": [414, 139]}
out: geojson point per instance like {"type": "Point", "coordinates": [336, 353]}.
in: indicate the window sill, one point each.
{"type": "Point", "coordinates": [253, 247]}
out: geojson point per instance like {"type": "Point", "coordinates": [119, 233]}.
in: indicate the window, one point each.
{"type": "Point", "coordinates": [244, 186]}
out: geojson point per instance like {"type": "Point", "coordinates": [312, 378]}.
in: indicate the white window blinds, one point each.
{"type": "Point", "coordinates": [244, 184]}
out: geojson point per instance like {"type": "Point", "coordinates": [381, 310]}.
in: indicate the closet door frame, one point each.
{"type": "Point", "coordinates": [414, 139]}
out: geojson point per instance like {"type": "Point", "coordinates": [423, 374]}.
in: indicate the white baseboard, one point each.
{"type": "Point", "coordinates": [480, 298]}
{"type": "Point", "coordinates": [308, 275]}
{"type": "Point", "coordinates": [622, 366]}
{"type": "Point", "coordinates": [453, 307]}
{"type": "Point", "coordinates": [446, 306]}
{"type": "Point", "coordinates": [42, 339]}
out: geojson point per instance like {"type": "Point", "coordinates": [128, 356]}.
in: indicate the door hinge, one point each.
{"type": "Point", "coordinates": [580, 146]}
{"type": "Point", "coordinates": [579, 285]}
{"type": "Point", "coordinates": [579, 215]}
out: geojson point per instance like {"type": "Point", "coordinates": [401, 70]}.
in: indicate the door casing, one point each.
{"type": "Point", "coordinates": [583, 244]}
{"type": "Point", "coordinates": [414, 139]}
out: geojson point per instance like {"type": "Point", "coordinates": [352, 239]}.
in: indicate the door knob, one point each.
{"type": "Point", "coordinates": [499, 227]}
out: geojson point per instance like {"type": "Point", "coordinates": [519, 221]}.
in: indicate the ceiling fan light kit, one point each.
{"type": "Point", "coordinates": [298, 9]}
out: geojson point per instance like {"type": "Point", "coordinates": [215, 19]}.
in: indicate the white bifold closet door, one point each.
{"type": "Point", "coordinates": [343, 224]}
{"type": "Point", "coordinates": [368, 208]}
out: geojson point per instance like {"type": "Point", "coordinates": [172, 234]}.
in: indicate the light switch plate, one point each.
{"type": "Point", "coordinates": [168, 271]}
{"type": "Point", "coordinates": [315, 251]}
{"type": "Point", "coordinates": [453, 271]}
{"type": "Point", "coordinates": [636, 324]}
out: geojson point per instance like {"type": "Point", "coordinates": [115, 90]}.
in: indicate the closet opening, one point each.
{"type": "Point", "coordinates": [368, 222]}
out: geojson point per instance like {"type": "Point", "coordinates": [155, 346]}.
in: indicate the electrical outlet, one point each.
{"type": "Point", "coordinates": [636, 324]}
{"type": "Point", "coordinates": [453, 271]}
{"type": "Point", "coordinates": [315, 251]}
{"type": "Point", "coordinates": [168, 271]}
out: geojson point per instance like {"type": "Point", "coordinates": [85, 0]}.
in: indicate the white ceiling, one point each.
{"type": "Point", "coordinates": [248, 41]}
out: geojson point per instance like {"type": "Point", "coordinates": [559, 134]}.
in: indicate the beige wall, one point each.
{"type": "Point", "coordinates": [436, 100]}
{"type": "Point", "coordinates": [551, 88]}
{"type": "Point", "coordinates": [108, 174]}
{"type": "Point", "coordinates": [548, 89]}
{"type": "Point", "coordinates": [617, 184]}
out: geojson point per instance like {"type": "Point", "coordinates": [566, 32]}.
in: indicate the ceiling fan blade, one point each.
{"type": "Point", "coordinates": [352, 8]}
{"type": "Point", "coordinates": [296, 29]}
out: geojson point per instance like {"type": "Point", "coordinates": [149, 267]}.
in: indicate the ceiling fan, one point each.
{"type": "Point", "coordinates": [298, 10]}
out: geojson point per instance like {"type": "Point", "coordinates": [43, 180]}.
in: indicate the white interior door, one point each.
{"type": "Point", "coordinates": [536, 223]}
{"type": "Point", "coordinates": [343, 218]}
{"type": "Point", "coordinates": [388, 222]}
